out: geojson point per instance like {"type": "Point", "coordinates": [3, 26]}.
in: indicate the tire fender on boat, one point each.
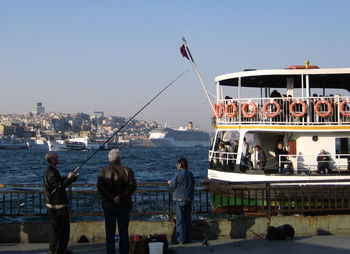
{"type": "Point", "coordinates": [278, 108]}
{"type": "Point", "coordinates": [292, 111]}
{"type": "Point", "coordinates": [329, 108]}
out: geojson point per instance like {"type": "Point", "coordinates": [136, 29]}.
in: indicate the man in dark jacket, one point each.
{"type": "Point", "coordinates": [116, 184]}
{"type": "Point", "coordinates": [183, 185]}
{"type": "Point", "coordinates": [57, 205]}
{"type": "Point", "coordinates": [323, 162]}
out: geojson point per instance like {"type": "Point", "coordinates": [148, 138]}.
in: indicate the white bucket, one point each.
{"type": "Point", "coordinates": [155, 247]}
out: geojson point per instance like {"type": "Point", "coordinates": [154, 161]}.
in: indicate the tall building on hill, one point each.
{"type": "Point", "coordinates": [39, 109]}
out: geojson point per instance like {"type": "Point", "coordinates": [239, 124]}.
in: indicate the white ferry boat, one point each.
{"type": "Point", "coordinates": [182, 137]}
{"type": "Point", "coordinates": [302, 122]}
{"type": "Point", "coordinates": [73, 144]}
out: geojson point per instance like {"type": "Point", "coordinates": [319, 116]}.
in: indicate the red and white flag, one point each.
{"type": "Point", "coordinates": [184, 51]}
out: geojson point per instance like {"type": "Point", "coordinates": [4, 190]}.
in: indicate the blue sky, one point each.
{"type": "Point", "coordinates": [114, 56]}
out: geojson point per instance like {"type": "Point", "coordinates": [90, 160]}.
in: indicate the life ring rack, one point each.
{"type": "Point", "coordinates": [278, 108]}
{"type": "Point", "coordinates": [231, 109]}
{"type": "Point", "coordinates": [245, 109]}
{"type": "Point", "coordinates": [218, 110]}
{"type": "Point", "coordinates": [293, 104]}
{"type": "Point", "coordinates": [329, 108]}
{"type": "Point", "coordinates": [341, 106]}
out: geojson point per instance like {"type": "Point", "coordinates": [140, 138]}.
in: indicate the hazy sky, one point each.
{"type": "Point", "coordinates": [114, 56]}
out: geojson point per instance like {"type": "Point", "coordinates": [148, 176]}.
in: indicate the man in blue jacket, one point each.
{"type": "Point", "coordinates": [183, 185]}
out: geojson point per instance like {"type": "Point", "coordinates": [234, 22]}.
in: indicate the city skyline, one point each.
{"type": "Point", "coordinates": [114, 56]}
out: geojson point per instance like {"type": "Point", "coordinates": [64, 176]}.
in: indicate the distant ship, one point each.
{"type": "Point", "coordinates": [12, 144]}
{"type": "Point", "coordinates": [182, 137]}
{"type": "Point", "coordinates": [73, 144]}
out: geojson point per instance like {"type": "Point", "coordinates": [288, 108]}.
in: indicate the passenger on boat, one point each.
{"type": "Point", "coordinates": [230, 155]}
{"type": "Point", "coordinates": [246, 162]}
{"type": "Point", "coordinates": [323, 162]}
{"type": "Point", "coordinates": [222, 155]}
{"type": "Point", "coordinates": [260, 158]}
{"type": "Point", "coordinates": [283, 159]}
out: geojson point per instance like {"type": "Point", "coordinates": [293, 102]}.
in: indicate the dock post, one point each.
{"type": "Point", "coordinates": [268, 199]}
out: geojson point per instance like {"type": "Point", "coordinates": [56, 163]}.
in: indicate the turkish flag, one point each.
{"type": "Point", "coordinates": [183, 51]}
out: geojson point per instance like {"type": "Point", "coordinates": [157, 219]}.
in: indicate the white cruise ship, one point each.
{"type": "Point", "coordinates": [182, 137]}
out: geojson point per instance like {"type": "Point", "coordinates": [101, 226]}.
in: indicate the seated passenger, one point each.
{"type": "Point", "coordinates": [323, 162]}
{"type": "Point", "coordinates": [222, 155]}
{"type": "Point", "coordinates": [230, 155]}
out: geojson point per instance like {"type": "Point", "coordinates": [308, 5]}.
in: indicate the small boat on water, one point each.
{"type": "Point", "coordinates": [12, 144]}
{"type": "Point", "coordinates": [290, 112]}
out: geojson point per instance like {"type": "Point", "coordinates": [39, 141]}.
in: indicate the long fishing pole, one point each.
{"type": "Point", "coordinates": [138, 112]}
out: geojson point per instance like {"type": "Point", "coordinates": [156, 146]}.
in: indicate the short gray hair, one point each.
{"type": "Point", "coordinates": [114, 156]}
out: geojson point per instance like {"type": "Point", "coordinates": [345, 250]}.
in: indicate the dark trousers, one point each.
{"type": "Point", "coordinates": [183, 221]}
{"type": "Point", "coordinates": [122, 216]}
{"type": "Point", "coordinates": [60, 229]}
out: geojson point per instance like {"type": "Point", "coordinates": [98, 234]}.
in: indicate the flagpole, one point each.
{"type": "Point", "coordinates": [199, 75]}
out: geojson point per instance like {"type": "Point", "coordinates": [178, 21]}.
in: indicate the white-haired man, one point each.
{"type": "Point", "coordinates": [116, 184]}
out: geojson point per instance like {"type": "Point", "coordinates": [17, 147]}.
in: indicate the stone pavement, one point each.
{"type": "Point", "coordinates": [329, 244]}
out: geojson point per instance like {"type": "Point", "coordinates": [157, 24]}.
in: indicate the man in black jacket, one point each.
{"type": "Point", "coordinates": [57, 205]}
{"type": "Point", "coordinates": [116, 184]}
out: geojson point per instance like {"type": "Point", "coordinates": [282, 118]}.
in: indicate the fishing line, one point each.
{"type": "Point", "coordinates": [130, 119]}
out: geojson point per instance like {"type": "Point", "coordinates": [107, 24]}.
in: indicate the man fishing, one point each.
{"type": "Point", "coordinates": [57, 205]}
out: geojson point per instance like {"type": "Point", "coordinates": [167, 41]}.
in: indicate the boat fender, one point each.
{"type": "Point", "coordinates": [245, 109]}
{"type": "Point", "coordinates": [219, 110]}
{"type": "Point", "coordinates": [292, 111]}
{"type": "Point", "coordinates": [272, 114]}
{"type": "Point", "coordinates": [329, 108]}
{"type": "Point", "coordinates": [342, 111]}
{"type": "Point", "coordinates": [231, 109]}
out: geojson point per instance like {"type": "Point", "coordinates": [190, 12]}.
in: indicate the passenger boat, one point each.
{"type": "Point", "coordinates": [250, 106]}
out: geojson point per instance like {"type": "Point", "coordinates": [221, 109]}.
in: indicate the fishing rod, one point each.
{"type": "Point", "coordinates": [138, 112]}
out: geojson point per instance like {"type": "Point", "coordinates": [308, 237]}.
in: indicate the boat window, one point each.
{"type": "Point", "coordinates": [342, 145]}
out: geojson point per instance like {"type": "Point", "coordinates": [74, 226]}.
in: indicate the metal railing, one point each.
{"type": "Point", "coordinates": [288, 110]}
{"type": "Point", "coordinates": [153, 199]}
{"type": "Point", "coordinates": [149, 199]}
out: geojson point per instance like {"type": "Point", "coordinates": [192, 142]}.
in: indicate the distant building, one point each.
{"type": "Point", "coordinates": [99, 113]}
{"type": "Point", "coordinates": [39, 109]}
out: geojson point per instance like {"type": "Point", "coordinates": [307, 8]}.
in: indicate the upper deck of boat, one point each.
{"type": "Point", "coordinates": [304, 112]}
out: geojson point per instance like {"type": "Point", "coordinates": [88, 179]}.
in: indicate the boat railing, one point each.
{"type": "Point", "coordinates": [331, 110]}
{"type": "Point", "coordinates": [309, 163]}
{"type": "Point", "coordinates": [221, 159]}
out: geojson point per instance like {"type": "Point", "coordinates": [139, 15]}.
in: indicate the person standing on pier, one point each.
{"type": "Point", "coordinates": [116, 184]}
{"type": "Point", "coordinates": [183, 185]}
{"type": "Point", "coordinates": [57, 205]}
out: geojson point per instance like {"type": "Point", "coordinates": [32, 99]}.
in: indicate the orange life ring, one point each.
{"type": "Point", "coordinates": [245, 110]}
{"type": "Point", "coordinates": [329, 108]}
{"type": "Point", "coordinates": [292, 111]}
{"type": "Point", "coordinates": [218, 110]}
{"type": "Point", "coordinates": [231, 113]}
{"type": "Point", "coordinates": [341, 106]}
{"type": "Point", "coordinates": [278, 108]}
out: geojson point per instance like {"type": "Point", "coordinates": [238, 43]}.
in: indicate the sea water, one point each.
{"type": "Point", "coordinates": [148, 164]}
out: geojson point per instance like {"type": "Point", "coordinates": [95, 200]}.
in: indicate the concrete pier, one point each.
{"type": "Point", "coordinates": [234, 228]}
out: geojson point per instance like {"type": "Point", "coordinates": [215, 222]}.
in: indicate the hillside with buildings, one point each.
{"type": "Point", "coordinates": [57, 126]}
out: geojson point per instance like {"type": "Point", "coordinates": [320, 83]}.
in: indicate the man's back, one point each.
{"type": "Point", "coordinates": [183, 183]}
{"type": "Point", "coordinates": [116, 180]}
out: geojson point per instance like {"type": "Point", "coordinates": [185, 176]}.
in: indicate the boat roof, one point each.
{"type": "Point", "coordinates": [336, 78]}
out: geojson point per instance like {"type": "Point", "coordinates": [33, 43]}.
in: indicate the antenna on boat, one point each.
{"type": "Point", "coordinates": [184, 50]}
{"type": "Point", "coordinates": [130, 119]}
